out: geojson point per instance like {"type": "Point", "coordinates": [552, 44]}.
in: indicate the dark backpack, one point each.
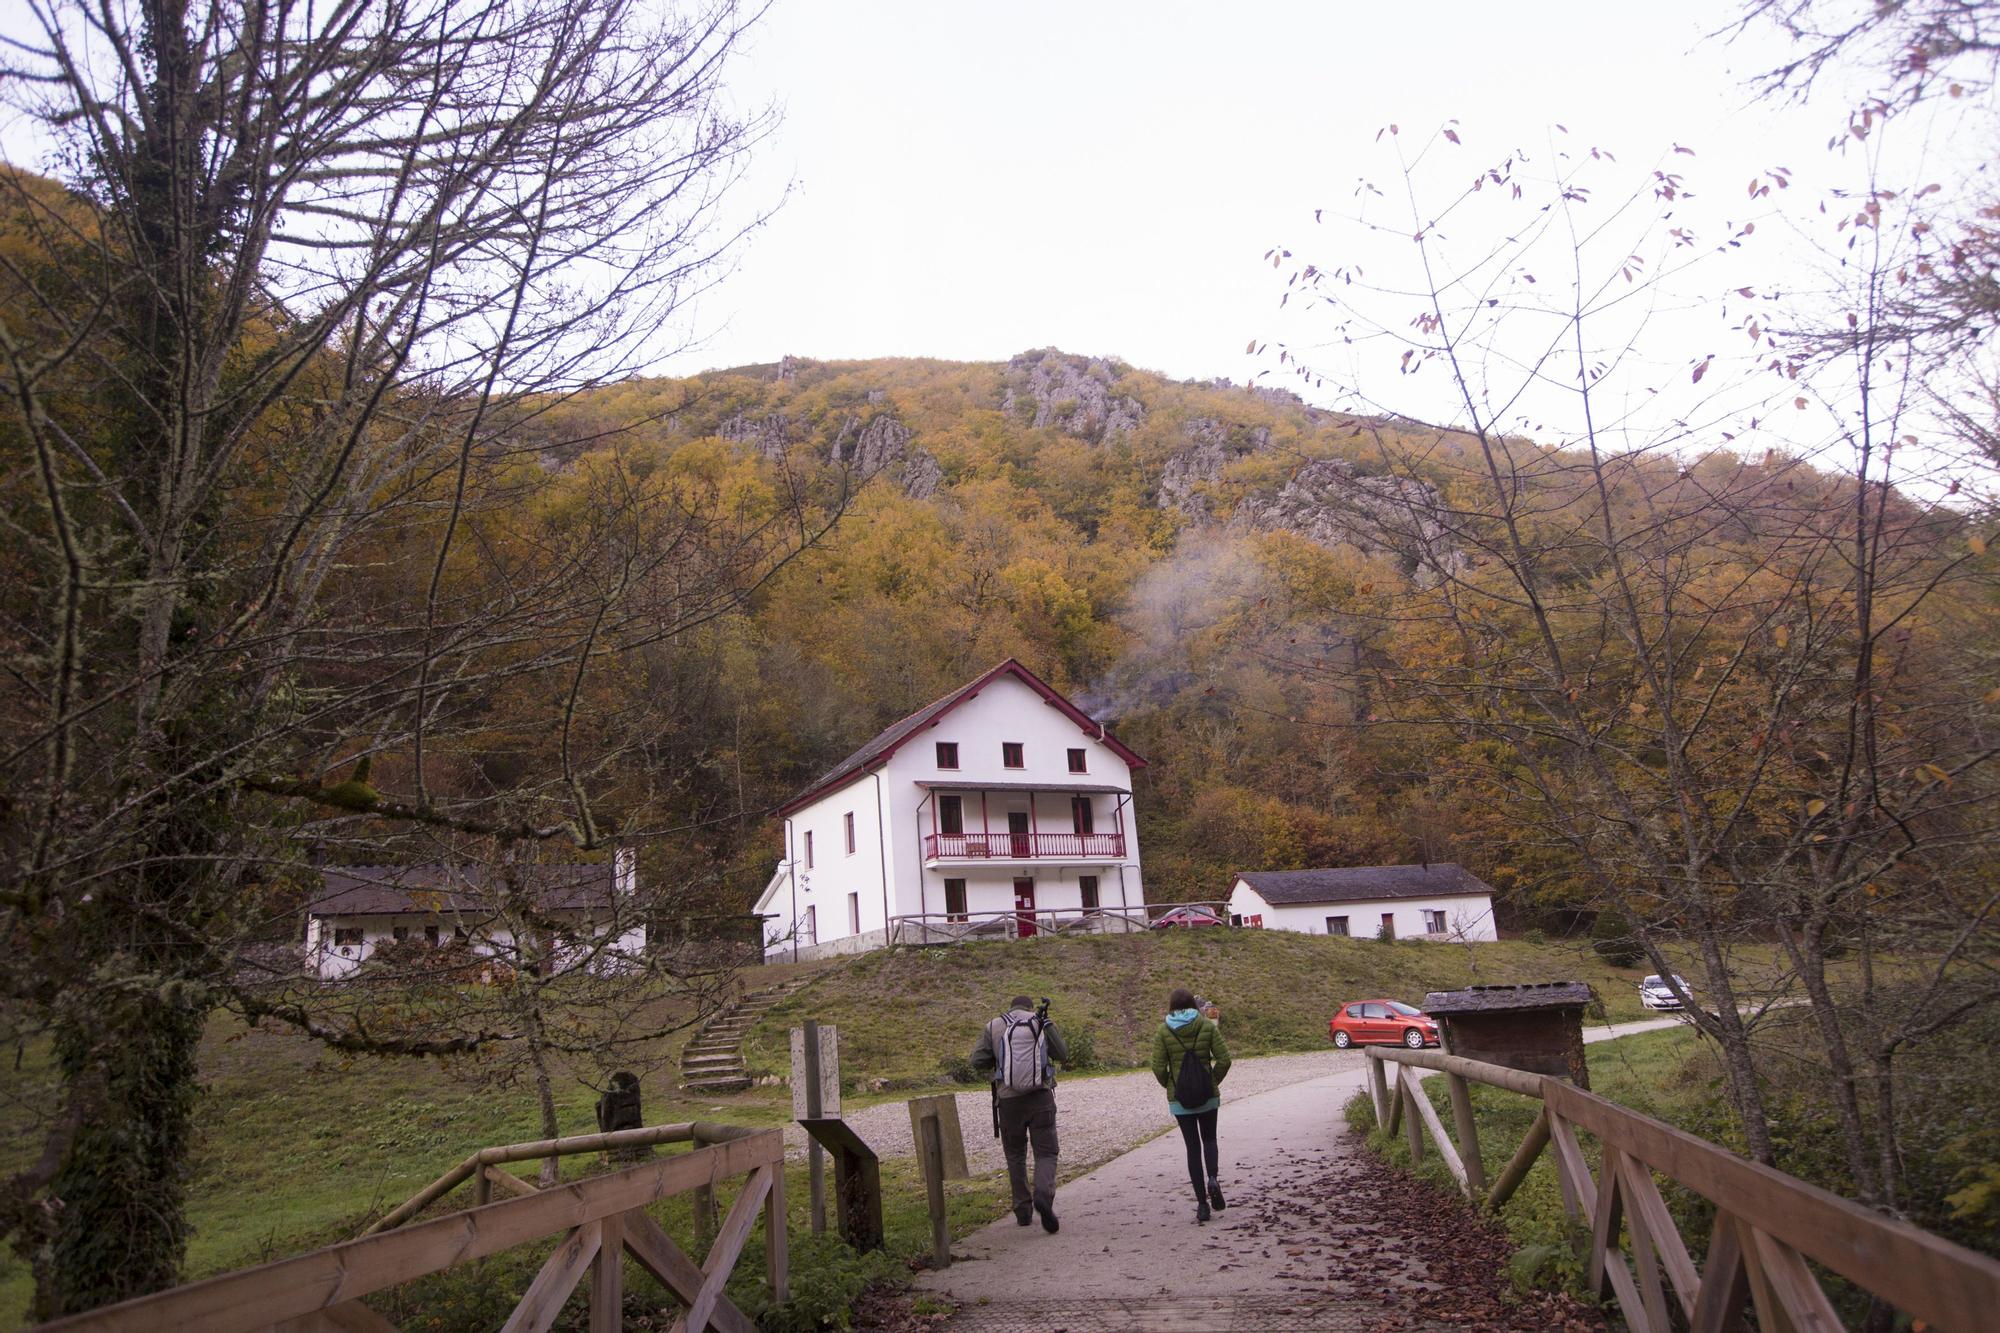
{"type": "Point", "coordinates": [1193, 1085]}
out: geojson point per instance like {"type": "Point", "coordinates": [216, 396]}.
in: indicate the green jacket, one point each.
{"type": "Point", "coordinates": [1205, 1039]}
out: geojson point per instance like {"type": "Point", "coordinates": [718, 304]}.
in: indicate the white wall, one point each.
{"type": "Point", "coordinates": [1005, 710]}
{"type": "Point", "coordinates": [1467, 916]}
{"type": "Point", "coordinates": [332, 961]}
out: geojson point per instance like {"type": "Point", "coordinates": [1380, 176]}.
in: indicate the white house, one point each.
{"type": "Point", "coordinates": [1433, 902]}
{"type": "Point", "coordinates": [362, 908]}
{"type": "Point", "coordinates": [1000, 810]}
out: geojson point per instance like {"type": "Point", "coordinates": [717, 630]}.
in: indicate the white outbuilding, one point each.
{"type": "Point", "coordinates": [1427, 902]}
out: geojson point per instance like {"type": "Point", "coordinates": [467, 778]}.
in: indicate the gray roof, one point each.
{"type": "Point", "coordinates": [1493, 999]}
{"type": "Point", "coordinates": [1362, 883]}
{"type": "Point", "coordinates": [441, 890]}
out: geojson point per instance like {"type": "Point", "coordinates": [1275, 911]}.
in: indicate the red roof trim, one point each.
{"type": "Point", "coordinates": [1096, 731]}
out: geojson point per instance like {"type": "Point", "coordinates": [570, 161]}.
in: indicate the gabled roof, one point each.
{"type": "Point", "coordinates": [441, 890]}
{"type": "Point", "coordinates": [885, 744]}
{"type": "Point", "coordinates": [1363, 883]}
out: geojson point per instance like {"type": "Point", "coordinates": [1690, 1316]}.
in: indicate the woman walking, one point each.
{"type": "Point", "coordinates": [1190, 1061]}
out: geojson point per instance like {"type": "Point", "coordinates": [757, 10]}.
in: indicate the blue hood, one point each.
{"type": "Point", "coordinates": [1180, 1018]}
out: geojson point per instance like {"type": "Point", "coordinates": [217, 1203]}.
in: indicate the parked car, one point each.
{"type": "Point", "coordinates": [1389, 1021]}
{"type": "Point", "coordinates": [1187, 914]}
{"type": "Point", "coordinates": [1655, 993]}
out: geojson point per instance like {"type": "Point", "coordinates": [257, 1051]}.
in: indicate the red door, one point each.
{"type": "Point", "coordinates": [1024, 907]}
{"type": "Point", "coordinates": [1017, 831]}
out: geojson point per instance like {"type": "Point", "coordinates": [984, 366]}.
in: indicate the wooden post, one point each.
{"type": "Point", "coordinates": [1412, 1126]}
{"type": "Point", "coordinates": [1468, 1133]}
{"type": "Point", "coordinates": [933, 1150]}
{"type": "Point", "coordinates": [1378, 1085]}
{"type": "Point", "coordinates": [705, 1217]}
{"type": "Point", "coordinates": [1524, 1157]}
{"type": "Point", "coordinates": [607, 1277]}
{"type": "Point", "coordinates": [815, 1155]}
{"type": "Point", "coordinates": [777, 1268]}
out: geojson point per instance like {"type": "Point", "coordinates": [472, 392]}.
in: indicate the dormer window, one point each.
{"type": "Point", "coordinates": [1079, 761]}
{"type": "Point", "coordinates": [1010, 755]}
{"type": "Point", "coordinates": [947, 752]}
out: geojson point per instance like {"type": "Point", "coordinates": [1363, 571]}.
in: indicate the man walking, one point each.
{"type": "Point", "coordinates": [1018, 1051]}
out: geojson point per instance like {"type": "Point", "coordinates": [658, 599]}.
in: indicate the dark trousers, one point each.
{"type": "Point", "coordinates": [1030, 1118]}
{"type": "Point", "coordinates": [1198, 1132]}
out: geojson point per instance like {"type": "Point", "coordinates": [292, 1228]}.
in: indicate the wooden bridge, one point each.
{"type": "Point", "coordinates": [1767, 1224]}
{"type": "Point", "coordinates": [1769, 1232]}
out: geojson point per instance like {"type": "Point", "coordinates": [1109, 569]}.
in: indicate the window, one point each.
{"type": "Point", "coordinates": [401, 933]}
{"type": "Point", "coordinates": [811, 931]}
{"type": "Point", "coordinates": [1374, 1011]}
{"type": "Point", "coordinates": [1078, 762]}
{"type": "Point", "coordinates": [1388, 925]}
{"type": "Point", "coordinates": [1434, 923]}
{"type": "Point", "coordinates": [809, 849]}
{"type": "Point", "coordinates": [947, 752]}
{"type": "Point", "coordinates": [1010, 754]}
{"type": "Point", "coordinates": [343, 935]}
{"type": "Point", "coordinates": [1087, 886]}
{"type": "Point", "coordinates": [954, 899]}
{"type": "Point", "coordinates": [1080, 815]}
{"type": "Point", "coordinates": [854, 914]}
{"type": "Point", "coordinates": [1336, 925]}
{"type": "Point", "coordinates": [951, 814]}
{"type": "Point", "coordinates": [431, 936]}
{"type": "Point", "coordinates": [847, 824]}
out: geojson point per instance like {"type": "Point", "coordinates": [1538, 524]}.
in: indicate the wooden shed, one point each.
{"type": "Point", "coordinates": [1536, 1027]}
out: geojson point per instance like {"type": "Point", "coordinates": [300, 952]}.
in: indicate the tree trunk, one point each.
{"type": "Point", "coordinates": [1737, 1060]}
{"type": "Point", "coordinates": [1808, 960]}
{"type": "Point", "coordinates": [122, 1228]}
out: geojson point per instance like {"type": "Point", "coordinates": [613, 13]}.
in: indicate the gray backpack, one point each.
{"type": "Point", "coordinates": [1021, 1055]}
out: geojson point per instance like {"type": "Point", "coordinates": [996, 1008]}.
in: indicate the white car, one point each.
{"type": "Point", "coordinates": [1655, 993]}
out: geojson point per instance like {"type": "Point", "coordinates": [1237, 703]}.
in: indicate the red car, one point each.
{"type": "Point", "coordinates": [1381, 1021]}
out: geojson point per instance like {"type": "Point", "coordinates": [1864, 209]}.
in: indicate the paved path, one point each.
{"type": "Point", "coordinates": [1131, 1257]}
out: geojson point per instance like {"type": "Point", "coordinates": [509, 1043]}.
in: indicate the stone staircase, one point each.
{"type": "Point", "coordinates": [713, 1058]}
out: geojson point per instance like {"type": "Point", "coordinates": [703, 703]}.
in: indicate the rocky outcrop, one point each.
{"type": "Point", "coordinates": [881, 447]}
{"type": "Point", "coordinates": [770, 436]}
{"type": "Point", "coordinates": [1328, 502]}
{"type": "Point", "coordinates": [1074, 394]}
{"type": "Point", "coordinates": [1212, 446]}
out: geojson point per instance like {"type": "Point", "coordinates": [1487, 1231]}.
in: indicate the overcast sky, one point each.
{"type": "Point", "coordinates": [975, 179]}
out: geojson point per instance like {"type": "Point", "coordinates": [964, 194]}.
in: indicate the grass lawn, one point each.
{"type": "Point", "coordinates": [299, 1146]}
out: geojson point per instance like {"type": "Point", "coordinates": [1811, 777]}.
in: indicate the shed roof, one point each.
{"type": "Point", "coordinates": [440, 890]}
{"type": "Point", "coordinates": [886, 742]}
{"type": "Point", "coordinates": [1502, 999]}
{"type": "Point", "coordinates": [1363, 883]}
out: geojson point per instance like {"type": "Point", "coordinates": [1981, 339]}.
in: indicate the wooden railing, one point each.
{"type": "Point", "coordinates": [1024, 846]}
{"type": "Point", "coordinates": [1767, 1224]}
{"type": "Point", "coordinates": [1008, 923]}
{"type": "Point", "coordinates": [601, 1219]}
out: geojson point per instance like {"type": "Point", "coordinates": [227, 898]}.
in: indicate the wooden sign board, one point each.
{"type": "Point", "coordinates": [829, 1075]}
{"type": "Point", "coordinates": [945, 1109]}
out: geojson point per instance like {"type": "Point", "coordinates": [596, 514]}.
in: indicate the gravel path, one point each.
{"type": "Point", "coordinates": [1097, 1118]}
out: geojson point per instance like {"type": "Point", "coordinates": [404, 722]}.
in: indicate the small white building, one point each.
{"type": "Point", "coordinates": [999, 811]}
{"type": "Point", "coordinates": [361, 908]}
{"type": "Point", "coordinates": [1431, 902]}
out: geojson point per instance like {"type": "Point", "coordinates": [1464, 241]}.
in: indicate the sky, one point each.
{"type": "Point", "coordinates": [971, 180]}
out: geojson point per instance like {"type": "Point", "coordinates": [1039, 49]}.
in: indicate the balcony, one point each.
{"type": "Point", "coordinates": [1024, 847]}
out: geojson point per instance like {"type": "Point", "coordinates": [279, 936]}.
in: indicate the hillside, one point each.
{"type": "Point", "coordinates": [1185, 559]}
{"type": "Point", "coordinates": [906, 1015]}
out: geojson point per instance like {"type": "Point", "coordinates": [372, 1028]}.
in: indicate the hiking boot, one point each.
{"type": "Point", "coordinates": [1201, 1210]}
{"type": "Point", "coordinates": [1049, 1223]}
{"type": "Point", "coordinates": [1022, 1215]}
{"type": "Point", "coordinates": [1215, 1196]}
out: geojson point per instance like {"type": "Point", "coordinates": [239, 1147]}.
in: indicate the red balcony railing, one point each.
{"type": "Point", "coordinates": [1024, 846]}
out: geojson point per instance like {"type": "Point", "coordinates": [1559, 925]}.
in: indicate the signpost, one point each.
{"type": "Point", "coordinates": [857, 1175]}
{"type": "Point", "coordinates": [941, 1154]}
